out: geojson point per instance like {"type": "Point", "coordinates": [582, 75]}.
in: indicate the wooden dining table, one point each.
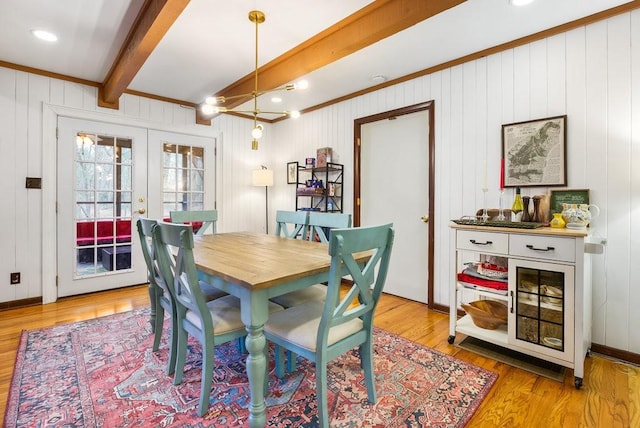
{"type": "Point", "coordinates": [255, 267]}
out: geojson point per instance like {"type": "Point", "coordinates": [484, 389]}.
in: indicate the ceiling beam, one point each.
{"type": "Point", "coordinates": [378, 20]}
{"type": "Point", "coordinates": [153, 22]}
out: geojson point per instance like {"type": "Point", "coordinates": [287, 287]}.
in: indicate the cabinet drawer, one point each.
{"type": "Point", "coordinates": [543, 247]}
{"type": "Point", "coordinates": [489, 242]}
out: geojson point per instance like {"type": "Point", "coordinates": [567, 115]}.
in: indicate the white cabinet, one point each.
{"type": "Point", "coordinates": [548, 295]}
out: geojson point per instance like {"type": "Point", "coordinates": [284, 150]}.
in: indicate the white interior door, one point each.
{"type": "Point", "coordinates": [101, 191]}
{"type": "Point", "coordinates": [394, 187]}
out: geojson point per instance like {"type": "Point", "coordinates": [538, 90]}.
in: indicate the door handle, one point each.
{"type": "Point", "coordinates": [425, 219]}
{"type": "Point", "coordinates": [142, 211]}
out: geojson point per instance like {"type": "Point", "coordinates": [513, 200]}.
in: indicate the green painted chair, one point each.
{"type": "Point", "coordinates": [292, 224]}
{"type": "Point", "coordinates": [322, 331]}
{"type": "Point", "coordinates": [211, 323]}
{"type": "Point", "coordinates": [160, 296]}
{"type": "Point", "coordinates": [206, 217]}
{"type": "Point", "coordinates": [321, 223]}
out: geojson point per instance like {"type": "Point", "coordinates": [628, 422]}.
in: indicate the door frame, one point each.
{"type": "Point", "coordinates": [49, 176]}
{"type": "Point", "coordinates": [429, 106]}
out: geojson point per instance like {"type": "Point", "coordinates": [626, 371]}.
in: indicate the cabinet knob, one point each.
{"type": "Point", "coordinates": [425, 219]}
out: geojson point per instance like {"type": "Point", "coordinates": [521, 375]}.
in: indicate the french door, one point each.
{"type": "Point", "coordinates": [109, 175]}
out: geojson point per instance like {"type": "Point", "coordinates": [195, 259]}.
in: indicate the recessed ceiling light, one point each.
{"type": "Point", "coordinates": [377, 79]}
{"type": "Point", "coordinates": [44, 35]}
{"type": "Point", "coordinates": [276, 100]}
{"type": "Point", "coordinates": [520, 2]}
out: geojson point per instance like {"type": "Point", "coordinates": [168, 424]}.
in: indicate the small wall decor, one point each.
{"type": "Point", "coordinates": [534, 152]}
{"type": "Point", "coordinates": [292, 172]}
{"type": "Point", "coordinates": [568, 196]}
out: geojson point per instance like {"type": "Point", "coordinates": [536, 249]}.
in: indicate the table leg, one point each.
{"type": "Point", "coordinates": [256, 370]}
{"type": "Point", "coordinates": [255, 312]}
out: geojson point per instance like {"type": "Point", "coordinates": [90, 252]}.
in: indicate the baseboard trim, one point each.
{"type": "Point", "coordinates": [32, 301]}
{"type": "Point", "coordinates": [616, 353]}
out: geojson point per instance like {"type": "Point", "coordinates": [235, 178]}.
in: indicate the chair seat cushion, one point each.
{"type": "Point", "coordinates": [225, 313]}
{"type": "Point", "coordinates": [299, 325]}
{"type": "Point", "coordinates": [315, 292]}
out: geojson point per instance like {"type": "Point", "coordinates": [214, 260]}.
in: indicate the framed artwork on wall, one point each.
{"type": "Point", "coordinates": [535, 152]}
{"type": "Point", "coordinates": [568, 196]}
{"type": "Point", "coordinates": [292, 172]}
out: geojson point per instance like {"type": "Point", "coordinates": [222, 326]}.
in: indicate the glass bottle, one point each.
{"type": "Point", "coordinates": [517, 207]}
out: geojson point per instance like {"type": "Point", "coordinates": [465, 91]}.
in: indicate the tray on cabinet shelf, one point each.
{"type": "Point", "coordinates": [479, 288]}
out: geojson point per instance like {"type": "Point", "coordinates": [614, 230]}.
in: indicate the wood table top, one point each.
{"type": "Point", "coordinates": [257, 260]}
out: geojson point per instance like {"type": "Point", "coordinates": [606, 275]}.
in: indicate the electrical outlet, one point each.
{"type": "Point", "coordinates": [15, 277]}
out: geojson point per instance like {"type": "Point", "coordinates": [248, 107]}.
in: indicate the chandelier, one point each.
{"type": "Point", "coordinates": [211, 104]}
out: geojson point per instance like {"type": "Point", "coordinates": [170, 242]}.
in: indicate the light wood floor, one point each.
{"type": "Point", "coordinates": [610, 396]}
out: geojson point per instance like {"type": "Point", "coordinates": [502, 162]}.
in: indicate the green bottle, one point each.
{"type": "Point", "coordinates": [517, 207]}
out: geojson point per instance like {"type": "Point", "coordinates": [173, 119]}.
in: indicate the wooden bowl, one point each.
{"type": "Point", "coordinates": [487, 314]}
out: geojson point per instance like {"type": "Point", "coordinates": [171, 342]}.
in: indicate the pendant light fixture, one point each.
{"type": "Point", "coordinates": [211, 104]}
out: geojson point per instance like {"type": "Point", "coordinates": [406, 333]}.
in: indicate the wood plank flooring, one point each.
{"type": "Point", "coordinates": [610, 396]}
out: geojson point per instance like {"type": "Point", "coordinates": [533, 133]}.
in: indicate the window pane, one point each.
{"type": "Point", "coordinates": [104, 177]}
{"type": "Point", "coordinates": [197, 181]}
{"type": "Point", "coordinates": [125, 177]}
{"type": "Point", "coordinates": [197, 157]}
{"type": "Point", "coordinates": [84, 176]}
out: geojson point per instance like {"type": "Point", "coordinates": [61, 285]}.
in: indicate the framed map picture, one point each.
{"type": "Point", "coordinates": [534, 152]}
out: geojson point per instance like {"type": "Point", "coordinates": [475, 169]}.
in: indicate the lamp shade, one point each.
{"type": "Point", "coordinates": [262, 177]}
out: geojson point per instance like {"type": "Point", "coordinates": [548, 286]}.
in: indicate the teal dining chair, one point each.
{"type": "Point", "coordinates": [292, 224]}
{"type": "Point", "coordinates": [210, 322]}
{"type": "Point", "coordinates": [323, 331]}
{"type": "Point", "coordinates": [321, 223]}
{"type": "Point", "coordinates": [205, 217]}
{"type": "Point", "coordinates": [159, 294]}
{"type": "Point", "coordinates": [161, 297]}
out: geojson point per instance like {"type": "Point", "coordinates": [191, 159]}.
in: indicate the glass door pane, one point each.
{"type": "Point", "coordinates": [103, 220]}
{"type": "Point", "coordinates": [540, 307]}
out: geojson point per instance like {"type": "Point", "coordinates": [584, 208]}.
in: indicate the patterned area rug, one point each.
{"type": "Point", "coordinates": [102, 373]}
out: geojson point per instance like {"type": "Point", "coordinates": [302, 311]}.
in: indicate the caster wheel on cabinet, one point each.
{"type": "Point", "coordinates": [578, 382]}
{"type": "Point", "coordinates": [451, 339]}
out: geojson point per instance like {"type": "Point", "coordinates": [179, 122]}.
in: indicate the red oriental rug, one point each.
{"type": "Point", "coordinates": [102, 373]}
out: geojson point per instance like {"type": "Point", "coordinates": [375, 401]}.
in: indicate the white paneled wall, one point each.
{"type": "Point", "coordinates": [587, 74]}
{"type": "Point", "coordinates": [590, 74]}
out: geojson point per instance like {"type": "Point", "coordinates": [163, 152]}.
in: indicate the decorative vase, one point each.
{"type": "Point", "coordinates": [578, 216]}
{"type": "Point", "coordinates": [557, 221]}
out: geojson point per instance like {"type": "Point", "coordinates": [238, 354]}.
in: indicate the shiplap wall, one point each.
{"type": "Point", "coordinates": [587, 74]}
{"type": "Point", "coordinates": [591, 75]}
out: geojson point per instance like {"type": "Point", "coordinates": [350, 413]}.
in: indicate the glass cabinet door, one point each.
{"type": "Point", "coordinates": [542, 306]}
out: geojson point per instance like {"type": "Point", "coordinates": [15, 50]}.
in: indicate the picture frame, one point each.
{"type": "Point", "coordinates": [535, 152]}
{"type": "Point", "coordinates": [567, 196]}
{"type": "Point", "coordinates": [292, 172]}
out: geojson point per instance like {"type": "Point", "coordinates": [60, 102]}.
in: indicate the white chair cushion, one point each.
{"type": "Point", "coordinates": [317, 292]}
{"type": "Point", "coordinates": [225, 313]}
{"type": "Point", "coordinates": [299, 325]}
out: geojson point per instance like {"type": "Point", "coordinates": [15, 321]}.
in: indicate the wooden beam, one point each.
{"type": "Point", "coordinates": [153, 22]}
{"type": "Point", "coordinates": [378, 20]}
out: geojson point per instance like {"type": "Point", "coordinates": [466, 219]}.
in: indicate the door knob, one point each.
{"type": "Point", "coordinates": [142, 211]}
{"type": "Point", "coordinates": [425, 219]}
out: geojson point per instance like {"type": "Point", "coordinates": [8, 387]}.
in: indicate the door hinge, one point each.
{"type": "Point", "coordinates": [358, 201]}
{"type": "Point", "coordinates": [56, 280]}
{"type": "Point", "coordinates": [358, 141]}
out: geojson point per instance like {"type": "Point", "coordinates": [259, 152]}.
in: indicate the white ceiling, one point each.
{"type": "Point", "coordinates": [211, 45]}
